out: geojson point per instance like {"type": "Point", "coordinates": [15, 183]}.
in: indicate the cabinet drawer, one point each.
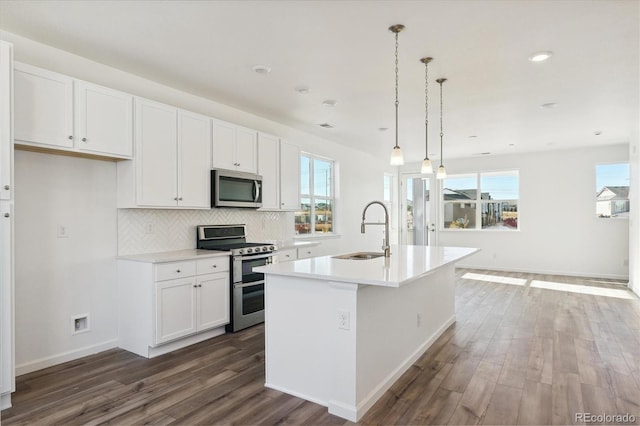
{"type": "Point", "coordinates": [306, 252]}
{"type": "Point", "coordinates": [287, 255]}
{"type": "Point", "coordinates": [212, 264]}
{"type": "Point", "coordinates": [172, 270]}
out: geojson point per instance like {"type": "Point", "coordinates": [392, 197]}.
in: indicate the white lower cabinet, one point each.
{"type": "Point", "coordinates": [287, 255]}
{"type": "Point", "coordinates": [169, 305]}
{"type": "Point", "coordinates": [307, 252]}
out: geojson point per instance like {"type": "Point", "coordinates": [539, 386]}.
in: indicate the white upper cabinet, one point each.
{"type": "Point", "coordinates": [279, 165]}
{"type": "Point", "coordinates": [268, 168]}
{"type": "Point", "coordinates": [105, 120]}
{"type": "Point", "coordinates": [246, 150]}
{"type": "Point", "coordinates": [194, 167]}
{"type": "Point", "coordinates": [97, 122]}
{"type": "Point", "coordinates": [156, 154]}
{"type": "Point", "coordinates": [289, 176]}
{"type": "Point", "coordinates": [6, 115]}
{"type": "Point", "coordinates": [43, 107]}
{"type": "Point", "coordinates": [171, 167]}
{"type": "Point", "coordinates": [234, 147]}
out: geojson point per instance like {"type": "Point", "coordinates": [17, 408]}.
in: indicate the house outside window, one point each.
{"type": "Point", "coordinates": [317, 199]}
{"type": "Point", "coordinates": [487, 201]}
{"type": "Point", "coordinates": [612, 190]}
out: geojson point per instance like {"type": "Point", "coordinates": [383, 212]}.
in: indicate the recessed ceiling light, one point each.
{"type": "Point", "coordinates": [261, 69]}
{"type": "Point", "coordinates": [551, 143]}
{"type": "Point", "coordinates": [549, 105]}
{"type": "Point", "coordinates": [472, 137]}
{"type": "Point", "coordinates": [540, 56]}
{"type": "Point", "coordinates": [597, 132]}
{"type": "Point", "coordinates": [303, 90]}
{"type": "Point", "coordinates": [512, 144]}
{"type": "Point", "coordinates": [383, 129]}
{"type": "Point", "coordinates": [326, 125]}
{"type": "Point", "coordinates": [329, 103]}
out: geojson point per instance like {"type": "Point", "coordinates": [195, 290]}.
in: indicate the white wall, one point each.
{"type": "Point", "coordinates": [559, 231]}
{"type": "Point", "coordinates": [57, 278]}
{"type": "Point", "coordinates": [634, 218]}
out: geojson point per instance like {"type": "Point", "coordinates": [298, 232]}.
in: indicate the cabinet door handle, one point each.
{"type": "Point", "coordinates": [179, 198]}
{"type": "Point", "coordinates": [7, 215]}
{"type": "Point", "coordinates": [70, 137]}
{"type": "Point", "coordinates": [178, 270]}
{"type": "Point", "coordinates": [215, 266]}
{"type": "Point", "coordinates": [84, 139]}
{"type": "Point", "coordinates": [7, 187]}
{"type": "Point", "coordinates": [175, 198]}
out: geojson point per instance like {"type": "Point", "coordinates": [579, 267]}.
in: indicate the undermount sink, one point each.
{"type": "Point", "coordinates": [362, 255]}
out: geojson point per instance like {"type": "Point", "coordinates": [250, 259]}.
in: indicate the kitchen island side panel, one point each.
{"type": "Point", "coordinates": [396, 326]}
{"type": "Point", "coordinates": [343, 345]}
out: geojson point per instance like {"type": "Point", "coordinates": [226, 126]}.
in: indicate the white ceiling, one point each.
{"type": "Point", "coordinates": [343, 50]}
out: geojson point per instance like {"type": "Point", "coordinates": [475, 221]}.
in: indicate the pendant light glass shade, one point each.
{"type": "Point", "coordinates": [397, 159]}
{"type": "Point", "coordinates": [442, 173]}
{"type": "Point", "coordinates": [426, 168]}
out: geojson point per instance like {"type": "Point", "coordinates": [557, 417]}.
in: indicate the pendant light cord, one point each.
{"type": "Point", "coordinates": [426, 110]}
{"type": "Point", "coordinates": [441, 132]}
{"type": "Point", "coordinates": [396, 90]}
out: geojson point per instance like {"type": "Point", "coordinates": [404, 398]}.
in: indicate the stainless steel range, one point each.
{"type": "Point", "coordinates": [247, 287]}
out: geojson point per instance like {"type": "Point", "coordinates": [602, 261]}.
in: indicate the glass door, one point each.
{"type": "Point", "coordinates": [418, 210]}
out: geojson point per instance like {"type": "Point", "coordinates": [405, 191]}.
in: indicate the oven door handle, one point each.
{"type": "Point", "coordinates": [254, 256]}
{"type": "Point", "coordinates": [251, 284]}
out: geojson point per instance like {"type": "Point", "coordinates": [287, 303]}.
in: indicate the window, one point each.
{"type": "Point", "coordinates": [316, 196]}
{"type": "Point", "coordinates": [481, 201]}
{"type": "Point", "coordinates": [612, 190]}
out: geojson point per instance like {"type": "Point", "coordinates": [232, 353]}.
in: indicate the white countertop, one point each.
{"type": "Point", "coordinates": [291, 244]}
{"type": "Point", "coordinates": [406, 264]}
{"type": "Point", "coordinates": [174, 256]}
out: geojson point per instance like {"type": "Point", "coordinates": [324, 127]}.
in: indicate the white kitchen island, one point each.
{"type": "Point", "coordinates": [340, 332]}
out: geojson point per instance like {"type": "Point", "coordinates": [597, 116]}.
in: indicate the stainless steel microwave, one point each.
{"type": "Point", "coordinates": [230, 188]}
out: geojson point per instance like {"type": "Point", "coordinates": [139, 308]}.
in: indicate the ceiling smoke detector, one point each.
{"type": "Point", "coordinates": [261, 69]}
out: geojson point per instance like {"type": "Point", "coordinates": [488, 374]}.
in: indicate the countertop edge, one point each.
{"type": "Point", "coordinates": [173, 256]}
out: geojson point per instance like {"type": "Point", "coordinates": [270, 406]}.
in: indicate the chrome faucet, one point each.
{"type": "Point", "coordinates": [385, 247]}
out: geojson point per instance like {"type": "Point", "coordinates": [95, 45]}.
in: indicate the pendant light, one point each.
{"type": "Point", "coordinates": [396, 154]}
{"type": "Point", "coordinates": [442, 173]}
{"type": "Point", "coordinates": [426, 168]}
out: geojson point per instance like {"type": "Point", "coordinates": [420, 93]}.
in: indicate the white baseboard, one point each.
{"type": "Point", "coordinates": [49, 361]}
{"type": "Point", "coordinates": [367, 402]}
{"type": "Point", "coordinates": [5, 401]}
{"type": "Point", "coordinates": [184, 342]}
{"type": "Point", "coordinates": [296, 394]}
{"type": "Point", "coordinates": [547, 272]}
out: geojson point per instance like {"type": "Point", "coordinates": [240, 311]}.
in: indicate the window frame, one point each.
{"type": "Point", "coordinates": [314, 198]}
{"type": "Point", "coordinates": [478, 202]}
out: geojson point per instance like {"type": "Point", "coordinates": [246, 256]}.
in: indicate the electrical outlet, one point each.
{"type": "Point", "coordinates": [63, 231]}
{"type": "Point", "coordinates": [343, 320]}
{"type": "Point", "coordinates": [148, 228]}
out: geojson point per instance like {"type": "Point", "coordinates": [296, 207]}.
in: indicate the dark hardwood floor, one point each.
{"type": "Point", "coordinates": [518, 354]}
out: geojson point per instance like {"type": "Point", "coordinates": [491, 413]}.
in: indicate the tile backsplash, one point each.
{"type": "Point", "coordinates": [154, 230]}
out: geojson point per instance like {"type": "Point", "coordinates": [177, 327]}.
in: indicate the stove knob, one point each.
{"type": "Point", "coordinates": [264, 249]}
{"type": "Point", "coordinates": [241, 251]}
{"type": "Point", "coordinates": [249, 250]}
{"type": "Point", "coordinates": [272, 248]}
